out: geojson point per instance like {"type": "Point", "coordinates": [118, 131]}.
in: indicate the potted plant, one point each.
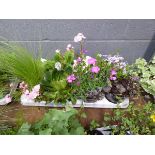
{"type": "Point", "coordinates": [102, 81]}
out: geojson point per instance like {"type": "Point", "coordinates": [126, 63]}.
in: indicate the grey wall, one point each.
{"type": "Point", "coordinates": [131, 38]}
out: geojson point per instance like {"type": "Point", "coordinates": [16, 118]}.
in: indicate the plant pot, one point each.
{"type": "Point", "coordinates": [104, 103]}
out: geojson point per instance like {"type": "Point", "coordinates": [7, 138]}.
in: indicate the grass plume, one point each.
{"type": "Point", "coordinates": [20, 63]}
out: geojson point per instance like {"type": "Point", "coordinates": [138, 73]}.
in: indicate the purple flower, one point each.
{"type": "Point", "coordinates": [95, 69]}
{"type": "Point", "coordinates": [84, 51]}
{"type": "Point", "coordinates": [91, 61]}
{"type": "Point", "coordinates": [71, 78]}
{"type": "Point", "coordinates": [113, 74]}
{"type": "Point", "coordinates": [113, 59]}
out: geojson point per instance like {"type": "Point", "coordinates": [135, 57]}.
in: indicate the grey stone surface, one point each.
{"type": "Point", "coordinates": [132, 38]}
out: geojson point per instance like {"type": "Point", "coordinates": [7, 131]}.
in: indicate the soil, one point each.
{"type": "Point", "coordinates": [15, 113]}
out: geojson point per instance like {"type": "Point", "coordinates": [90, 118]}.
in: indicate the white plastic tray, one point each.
{"type": "Point", "coordinates": [3, 102]}
{"type": "Point", "coordinates": [104, 103]}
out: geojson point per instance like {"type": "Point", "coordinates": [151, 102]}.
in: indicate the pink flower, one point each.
{"type": "Point", "coordinates": [113, 72]}
{"type": "Point", "coordinates": [8, 98]}
{"type": "Point", "coordinates": [34, 93]}
{"type": "Point", "coordinates": [79, 37]}
{"type": "Point", "coordinates": [95, 69]}
{"type": "Point", "coordinates": [71, 78]}
{"type": "Point", "coordinates": [91, 61]}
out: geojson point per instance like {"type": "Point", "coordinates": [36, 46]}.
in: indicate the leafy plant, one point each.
{"type": "Point", "coordinates": [54, 85]}
{"type": "Point", "coordinates": [55, 122]}
{"type": "Point", "coordinates": [146, 73]}
{"type": "Point", "coordinates": [135, 119]}
{"type": "Point", "coordinates": [19, 63]}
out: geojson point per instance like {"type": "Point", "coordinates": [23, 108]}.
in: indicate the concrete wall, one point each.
{"type": "Point", "coordinates": [131, 38]}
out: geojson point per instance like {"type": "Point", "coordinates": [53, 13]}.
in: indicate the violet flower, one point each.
{"type": "Point", "coordinates": [113, 74]}
{"type": "Point", "coordinates": [84, 51]}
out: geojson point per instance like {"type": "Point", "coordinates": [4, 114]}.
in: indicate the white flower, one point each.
{"type": "Point", "coordinates": [57, 51]}
{"type": "Point", "coordinates": [69, 47]}
{"type": "Point", "coordinates": [58, 66]}
{"type": "Point", "coordinates": [75, 63]}
{"type": "Point", "coordinates": [79, 37]}
{"type": "Point", "coordinates": [43, 60]}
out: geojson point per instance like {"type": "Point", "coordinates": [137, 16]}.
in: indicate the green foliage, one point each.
{"type": "Point", "coordinates": [55, 122]}
{"type": "Point", "coordinates": [146, 72]}
{"type": "Point", "coordinates": [25, 130]}
{"type": "Point", "coordinates": [18, 62]}
{"type": "Point", "coordinates": [93, 125]}
{"type": "Point", "coordinates": [4, 84]}
{"type": "Point", "coordinates": [8, 130]}
{"type": "Point", "coordinates": [135, 119]}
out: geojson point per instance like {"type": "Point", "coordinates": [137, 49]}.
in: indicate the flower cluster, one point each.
{"type": "Point", "coordinates": [71, 78]}
{"type": "Point", "coordinates": [113, 59]}
{"type": "Point", "coordinates": [79, 37]}
{"type": "Point", "coordinates": [31, 95]}
{"type": "Point", "coordinates": [117, 61]}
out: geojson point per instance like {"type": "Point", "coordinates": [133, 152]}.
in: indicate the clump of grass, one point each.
{"type": "Point", "coordinates": [20, 63]}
